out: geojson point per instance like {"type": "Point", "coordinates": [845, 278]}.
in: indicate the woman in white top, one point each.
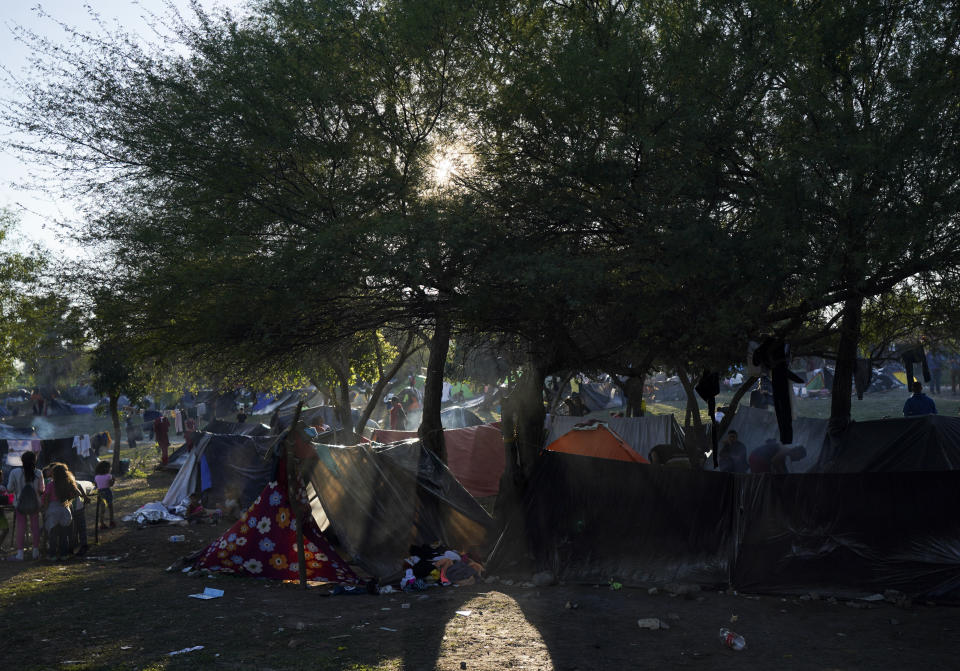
{"type": "Point", "coordinates": [29, 476]}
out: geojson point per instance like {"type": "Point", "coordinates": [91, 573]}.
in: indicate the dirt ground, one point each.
{"type": "Point", "coordinates": [118, 608]}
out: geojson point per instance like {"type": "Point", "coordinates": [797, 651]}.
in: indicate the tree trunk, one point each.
{"type": "Point", "coordinates": [693, 440]}
{"type": "Point", "coordinates": [431, 429]}
{"type": "Point", "coordinates": [840, 401]}
{"type": "Point", "coordinates": [734, 404]}
{"type": "Point", "coordinates": [522, 418]}
{"type": "Point", "coordinates": [406, 351]}
{"type": "Point", "coordinates": [115, 416]}
{"type": "Point", "coordinates": [341, 396]}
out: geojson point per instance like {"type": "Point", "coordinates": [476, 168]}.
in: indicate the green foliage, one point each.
{"type": "Point", "coordinates": [19, 286]}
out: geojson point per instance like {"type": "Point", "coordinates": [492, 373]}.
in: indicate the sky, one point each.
{"type": "Point", "coordinates": [36, 211]}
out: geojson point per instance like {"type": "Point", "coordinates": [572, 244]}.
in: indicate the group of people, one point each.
{"type": "Point", "coordinates": [771, 457]}
{"type": "Point", "coordinates": [55, 496]}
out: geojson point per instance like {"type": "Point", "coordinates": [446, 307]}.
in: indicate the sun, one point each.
{"type": "Point", "coordinates": [443, 170]}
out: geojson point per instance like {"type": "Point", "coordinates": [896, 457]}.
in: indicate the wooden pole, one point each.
{"type": "Point", "coordinates": [292, 495]}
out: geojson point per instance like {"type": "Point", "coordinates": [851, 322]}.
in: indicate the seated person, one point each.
{"type": "Point", "coordinates": [732, 455]}
{"type": "Point", "coordinates": [197, 514]}
{"type": "Point", "coordinates": [771, 457]}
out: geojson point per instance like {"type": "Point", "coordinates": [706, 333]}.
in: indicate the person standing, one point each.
{"type": "Point", "coordinates": [131, 427]}
{"type": "Point", "coordinates": [26, 483]}
{"type": "Point", "coordinates": [161, 429]}
{"type": "Point", "coordinates": [398, 418]}
{"type": "Point", "coordinates": [58, 520]}
{"type": "Point", "coordinates": [919, 403]}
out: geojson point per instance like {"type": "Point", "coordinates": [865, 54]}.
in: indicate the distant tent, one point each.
{"type": "Point", "coordinates": [641, 433]}
{"type": "Point", "coordinates": [596, 397]}
{"type": "Point", "coordinates": [595, 439]}
{"type": "Point", "coordinates": [263, 542]}
{"type": "Point", "coordinates": [458, 417]}
{"type": "Point", "coordinates": [475, 455]}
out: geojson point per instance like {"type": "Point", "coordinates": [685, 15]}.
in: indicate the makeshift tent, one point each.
{"type": "Point", "coordinates": [220, 462]}
{"type": "Point", "coordinates": [263, 542]}
{"type": "Point", "coordinates": [475, 455]}
{"type": "Point", "coordinates": [601, 396]}
{"type": "Point", "coordinates": [843, 533]}
{"type": "Point", "coordinates": [379, 500]}
{"type": "Point", "coordinates": [641, 433]}
{"type": "Point", "coordinates": [327, 414]}
{"type": "Point", "coordinates": [899, 444]}
{"type": "Point", "coordinates": [458, 417]}
{"type": "Point", "coordinates": [595, 439]}
{"type": "Point", "coordinates": [754, 426]}
{"type": "Point", "coordinates": [178, 458]}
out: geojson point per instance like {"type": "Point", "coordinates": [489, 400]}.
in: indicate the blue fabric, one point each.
{"type": "Point", "coordinates": [206, 482]}
{"type": "Point", "coordinates": [919, 404]}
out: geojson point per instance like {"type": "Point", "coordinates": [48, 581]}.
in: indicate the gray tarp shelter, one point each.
{"type": "Point", "coordinates": [380, 499]}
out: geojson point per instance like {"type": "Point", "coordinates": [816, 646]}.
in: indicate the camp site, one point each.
{"type": "Point", "coordinates": [478, 336]}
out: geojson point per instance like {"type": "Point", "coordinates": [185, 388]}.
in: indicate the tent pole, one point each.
{"type": "Point", "coordinates": [292, 496]}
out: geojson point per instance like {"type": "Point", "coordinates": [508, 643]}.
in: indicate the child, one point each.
{"type": "Point", "coordinates": [27, 504]}
{"type": "Point", "coordinates": [105, 483]}
{"type": "Point", "coordinates": [197, 514]}
{"type": "Point", "coordinates": [58, 519]}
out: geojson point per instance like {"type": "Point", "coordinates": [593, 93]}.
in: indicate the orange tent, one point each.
{"type": "Point", "coordinates": [595, 439]}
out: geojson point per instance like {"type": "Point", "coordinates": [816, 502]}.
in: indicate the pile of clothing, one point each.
{"type": "Point", "coordinates": [436, 564]}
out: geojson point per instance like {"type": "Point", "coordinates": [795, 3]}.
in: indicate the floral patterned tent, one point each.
{"type": "Point", "coordinates": [263, 542]}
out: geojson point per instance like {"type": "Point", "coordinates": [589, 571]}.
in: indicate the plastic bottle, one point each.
{"type": "Point", "coordinates": [177, 539]}
{"type": "Point", "coordinates": [732, 639]}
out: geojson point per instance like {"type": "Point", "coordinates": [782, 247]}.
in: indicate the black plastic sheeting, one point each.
{"type": "Point", "coordinates": [61, 450]}
{"type": "Point", "coordinates": [246, 463]}
{"type": "Point", "coordinates": [848, 533]}
{"type": "Point", "coordinates": [591, 520]}
{"type": "Point", "coordinates": [381, 499]}
{"type": "Point", "coordinates": [596, 519]}
{"type": "Point", "coordinates": [900, 444]}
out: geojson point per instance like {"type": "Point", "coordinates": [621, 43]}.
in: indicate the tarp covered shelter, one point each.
{"type": "Point", "coordinates": [263, 542]}
{"type": "Point", "coordinates": [595, 439]}
{"type": "Point", "coordinates": [475, 455]}
{"type": "Point", "coordinates": [237, 428]}
{"type": "Point", "coordinates": [379, 500]}
{"type": "Point", "coordinates": [898, 444]}
{"type": "Point", "coordinates": [458, 417]}
{"type": "Point", "coordinates": [641, 433]}
{"type": "Point", "coordinates": [220, 462]}
{"type": "Point", "coordinates": [846, 533]}
{"type": "Point", "coordinates": [754, 426]}
{"type": "Point", "coordinates": [601, 396]}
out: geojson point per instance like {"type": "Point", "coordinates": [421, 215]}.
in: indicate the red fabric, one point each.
{"type": "Point", "coordinates": [475, 455]}
{"type": "Point", "coordinates": [263, 542]}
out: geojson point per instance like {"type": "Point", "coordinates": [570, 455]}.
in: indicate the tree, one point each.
{"type": "Point", "coordinates": [863, 158]}
{"type": "Point", "coordinates": [19, 286]}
